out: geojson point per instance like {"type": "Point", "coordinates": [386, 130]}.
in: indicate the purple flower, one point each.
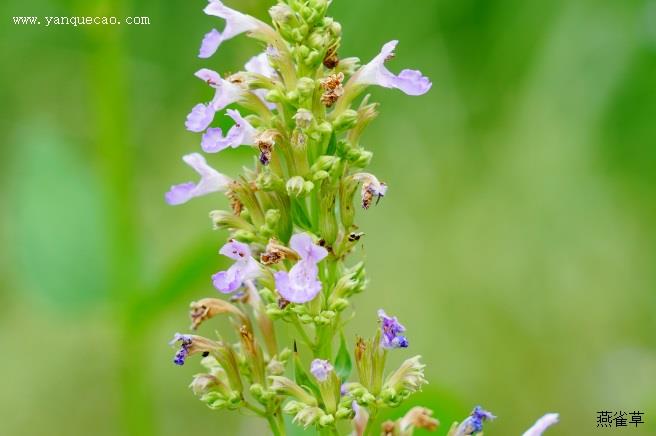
{"type": "Point", "coordinates": [321, 369]}
{"type": "Point", "coordinates": [225, 92]}
{"type": "Point", "coordinates": [391, 330]}
{"type": "Point", "coordinates": [236, 23]}
{"type": "Point", "coordinates": [412, 82]}
{"type": "Point", "coordinates": [199, 118]}
{"type": "Point", "coordinates": [542, 424]}
{"type": "Point", "coordinates": [260, 65]}
{"type": "Point", "coordinates": [242, 133]}
{"type": "Point", "coordinates": [210, 181]}
{"type": "Point", "coordinates": [474, 423]}
{"type": "Point", "coordinates": [301, 283]}
{"type": "Point", "coordinates": [185, 346]}
{"type": "Point", "coordinates": [309, 251]}
{"type": "Point", "coordinates": [244, 268]}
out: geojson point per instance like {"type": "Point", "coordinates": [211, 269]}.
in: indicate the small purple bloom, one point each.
{"type": "Point", "coordinates": [301, 283]}
{"type": "Point", "coordinates": [303, 244]}
{"type": "Point", "coordinates": [199, 118]}
{"type": "Point", "coordinates": [210, 181]}
{"type": "Point", "coordinates": [260, 65]}
{"type": "Point", "coordinates": [185, 345]}
{"type": "Point", "coordinates": [244, 268]}
{"type": "Point", "coordinates": [321, 369]}
{"type": "Point", "coordinates": [225, 92]}
{"type": "Point", "coordinates": [391, 330]}
{"type": "Point", "coordinates": [474, 423]}
{"type": "Point", "coordinates": [236, 23]}
{"type": "Point", "coordinates": [242, 133]}
{"type": "Point", "coordinates": [412, 82]}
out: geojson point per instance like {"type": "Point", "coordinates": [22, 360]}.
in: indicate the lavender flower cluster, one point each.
{"type": "Point", "coordinates": [291, 226]}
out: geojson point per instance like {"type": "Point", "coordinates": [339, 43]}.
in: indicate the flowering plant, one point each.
{"type": "Point", "coordinates": [292, 232]}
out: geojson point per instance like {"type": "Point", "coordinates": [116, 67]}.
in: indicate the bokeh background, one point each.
{"type": "Point", "coordinates": [517, 243]}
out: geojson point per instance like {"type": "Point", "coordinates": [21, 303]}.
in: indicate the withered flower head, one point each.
{"type": "Point", "coordinates": [419, 417]}
{"type": "Point", "coordinates": [207, 308]}
{"type": "Point", "coordinates": [265, 141]}
{"type": "Point", "coordinates": [331, 60]}
{"type": "Point", "coordinates": [334, 89]}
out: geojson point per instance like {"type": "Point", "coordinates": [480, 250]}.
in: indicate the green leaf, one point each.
{"type": "Point", "coordinates": [343, 364]}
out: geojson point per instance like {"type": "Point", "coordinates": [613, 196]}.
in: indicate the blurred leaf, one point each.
{"type": "Point", "coordinates": [343, 364]}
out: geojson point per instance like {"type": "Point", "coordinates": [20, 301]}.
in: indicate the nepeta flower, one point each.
{"type": "Point", "coordinates": [474, 423]}
{"type": "Point", "coordinates": [210, 181]}
{"type": "Point", "coordinates": [199, 118]}
{"type": "Point", "coordinates": [260, 65]}
{"type": "Point", "coordinates": [301, 283]}
{"type": "Point", "coordinates": [542, 424]}
{"type": "Point", "coordinates": [307, 250]}
{"type": "Point", "coordinates": [412, 82]}
{"type": "Point", "coordinates": [191, 344]}
{"type": "Point", "coordinates": [236, 23]}
{"type": "Point", "coordinates": [245, 267]}
{"type": "Point", "coordinates": [321, 369]}
{"type": "Point", "coordinates": [391, 330]}
{"type": "Point", "coordinates": [242, 133]}
{"type": "Point", "coordinates": [225, 93]}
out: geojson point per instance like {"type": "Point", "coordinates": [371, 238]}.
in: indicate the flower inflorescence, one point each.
{"type": "Point", "coordinates": [292, 229]}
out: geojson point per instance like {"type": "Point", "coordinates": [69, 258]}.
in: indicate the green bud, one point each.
{"type": "Point", "coordinates": [269, 181]}
{"type": "Point", "coordinates": [339, 304]}
{"type": "Point", "coordinates": [276, 96]}
{"type": "Point", "coordinates": [272, 217]}
{"type": "Point", "coordinates": [346, 120]}
{"type": "Point", "coordinates": [328, 314]}
{"type": "Point", "coordinates": [336, 29]}
{"type": "Point", "coordinates": [227, 220]}
{"type": "Point", "coordinates": [359, 157]}
{"type": "Point", "coordinates": [308, 186]}
{"type": "Point", "coordinates": [305, 319]}
{"type": "Point", "coordinates": [326, 128]}
{"type": "Point", "coordinates": [320, 175]}
{"type": "Point", "coordinates": [325, 163]}
{"type": "Point", "coordinates": [305, 87]}
{"type": "Point", "coordinates": [244, 236]}
{"type": "Point", "coordinates": [293, 407]}
{"type": "Point", "coordinates": [326, 420]}
{"type": "Point", "coordinates": [267, 295]}
{"type": "Point", "coordinates": [344, 413]}
{"type": "Point", "coordinates": [299, 309]}
{"type": "Point", "coordinates": [321, 320]}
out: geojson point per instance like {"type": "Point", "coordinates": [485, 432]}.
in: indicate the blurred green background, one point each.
{"type": "Point", "coordinates": [517, 242]}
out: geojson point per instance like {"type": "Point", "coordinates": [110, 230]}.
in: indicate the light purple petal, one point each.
{"type": "Point", "coordinates": [309, 251]}
{"type": "Point", "coordinates": [199, 118]}
{"type": "Point", "coordinates": [212, 140]}
{"type": "Point", "coordinates": [210, 76]}
{"type": "Point", "coordinates": [226, 93]}
{"type": "Point", "coordinates": [236, 250]}
{"type": "Point", "coordinates": [210, 44]}
{"type": "Point", "coordinates": [227, 281]}
{"type": "Point", "coordinates": [411, 82]}
{"type": "Point", "coordinates": [321, 369]}
{"type": "Point", "coordinates": [242, 133]}
{"type": "Point", "coordinates": [260, 65]}
{"type": "Point", "coordinates": [236, 22]}
{"type": "Point", "coordinates": [210, 181]}
{"type": "Point", "coordinates": [542, 424]}
{"type": "Point", "coordinates": [300, 285]}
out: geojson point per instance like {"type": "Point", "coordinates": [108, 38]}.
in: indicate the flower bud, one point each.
{"type": "Point", "coordinates": [303, 118]}
{"type": "Point", "coordinates": [408, 377]}
{"type": "Point", "coordinates": [202, 383]}
{"type": "Point", "coordinates": [326, 420]}
{"type": "Point", "coordinates": [339, 304]}
{"type": "Point", "coordinates": [325, 163]}
{"type": "Point", "coordinates": [226, 220]}
{"type": "Point", "coordinates": [308, 416]}
{"type": "Point", "coordinates": [346, 120]}
{"type": "Point", "coordinates": [348, 66]}
{"type": "Point", "coordinates": [320, 175]}
{"type": "Point", "coordinates": [269, 181]}
{"type": "Point", "coordinates": [285, 386]}
{"type": "Point", "coordinates": [305, 87]}
{"type": "Point", "coordinates": [244, 236]}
